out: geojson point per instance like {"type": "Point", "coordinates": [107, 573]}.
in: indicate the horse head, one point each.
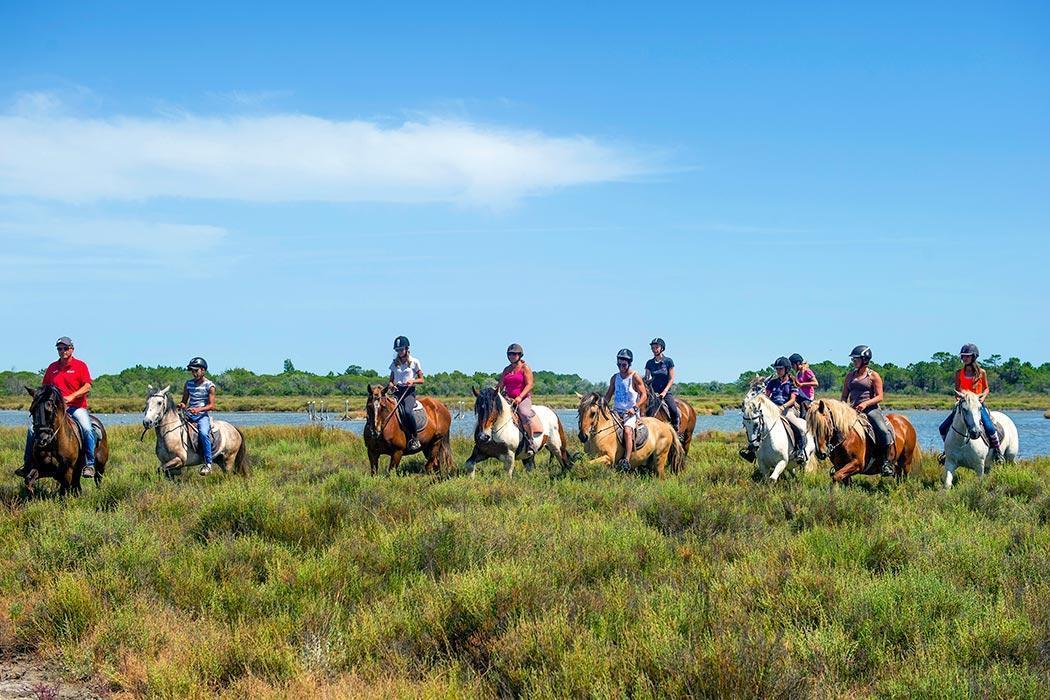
{"type": "Point", "coordinates": [375, 409]}
{"type": "Point", "coordinates": [158, 403]}
{"type": "Point", "coordinates": [46, 410]}
{"type": "Point", "coordinates": [818, 420]}
{"type": "Point", "coordinates": [591, 408]}
{"type": "Point", "coordinates": [488, 405]}
{"type": "Point", "coordinates": [970, 409]}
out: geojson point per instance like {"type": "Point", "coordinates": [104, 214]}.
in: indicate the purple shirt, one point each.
{"type": "Point", "coordinates": [806, 375]}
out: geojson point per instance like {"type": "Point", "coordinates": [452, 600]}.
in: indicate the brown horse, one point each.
{"type": "Point", "coordinates": [384, 435]}
{"type": "Point", "coordinates": [56, 450]}
{"type": "Point", "coordinates": [597, 424]}
{"type": "Point", "coordinates": [838, 431]}
{"type": "Point", "coordinates": [686, 416]}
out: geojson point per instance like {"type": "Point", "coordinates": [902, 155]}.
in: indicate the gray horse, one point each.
{"type": "Point", "coordinates": [176, 444]}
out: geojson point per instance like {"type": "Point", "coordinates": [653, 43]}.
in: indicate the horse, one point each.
{"type": "Point", "coordinates": [966, 445]}
{"type": "Point", "coordinates": [175, 448]}
{"type": "Point", "coordinates": [839, 435]}
{"type": "Point", "coordinates": [763, 425]}
{"type": "Point", "coordinates": [384, 435]}
{"type": "Point", "coordinates": [686, 416]}
{"type": "Point", "coordinates": [597, 431]}
{"type": "Point", "coordinates": [496, 435]}
{"type": "Point", "coordinates": [57, 444]}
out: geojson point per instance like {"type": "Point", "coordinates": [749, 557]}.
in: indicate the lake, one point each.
{"type": "Point", "coordinates": [1034, 430]}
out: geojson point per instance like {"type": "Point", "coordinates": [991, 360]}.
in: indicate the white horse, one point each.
{"type": "Point", "coordinates": [175, 449]}
{"type": "Point", "coordinates": [966, 445]}
{"type": "Point", "coordinates": [497, 436]}
{"type": "Point", "coordinates": [762, 425]}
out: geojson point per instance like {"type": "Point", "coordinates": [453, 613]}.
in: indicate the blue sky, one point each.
{"type": "Point", "coordinates": [252, 184]}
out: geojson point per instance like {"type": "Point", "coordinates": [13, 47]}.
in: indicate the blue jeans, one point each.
{"type": "Point", "coordinates": [87, 434]}
{"type": "Point", "coordinates": [203, 421]}
{"type": "Point", "coordinates": [986, 422]}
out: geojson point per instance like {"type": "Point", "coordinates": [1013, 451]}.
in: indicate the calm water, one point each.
{"type": "Point", "coordinates": [1034, 430]}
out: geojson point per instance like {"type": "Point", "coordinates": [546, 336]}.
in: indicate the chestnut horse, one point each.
{"type": "Point", "coordinates": [56, 449]}
{"type": "Point", "coordinates": [384, 435]}
{"type": "Point", "coordinates": [597, 424]}
{"type": "Point", "coordinates": [838, 434]}
{"type": "Point", "coordinates": [686, 416]}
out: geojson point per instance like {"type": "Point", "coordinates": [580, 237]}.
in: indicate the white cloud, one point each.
{"type": "Point", "coordinates": [291, 157]}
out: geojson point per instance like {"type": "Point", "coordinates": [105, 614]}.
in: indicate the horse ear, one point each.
{"type": "Point", "coordinates": [474, 390]}
{"type": "Point", "coordinates": [166, 389]}
{"type": "Point", "coordinates": [578, 394]}
{"type": "Point", "coordinates": [149, 388]}
{"type": "Point", "coordinates": [29, 391]}
{"type": "Point", "coordinates": [820, 406]}
{"type": "Point", "coordinates": [369, 387]}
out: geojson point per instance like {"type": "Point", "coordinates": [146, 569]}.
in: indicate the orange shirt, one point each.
{"type": "Point", "coordinates": [977, 385]}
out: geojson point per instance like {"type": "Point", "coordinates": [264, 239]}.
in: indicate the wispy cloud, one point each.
{"type": "Point", "coordinates": [292, 157]}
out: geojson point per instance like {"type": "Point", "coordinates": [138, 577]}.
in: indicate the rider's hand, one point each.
{"type": "Point", "coordinates": [181, 405]}
{"type": "Point", "coordinates": [663, 395]}
{"type": "Point", "coordinates": [630, 411]}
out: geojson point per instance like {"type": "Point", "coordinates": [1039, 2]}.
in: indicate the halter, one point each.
{"type": "Point", "coordinates": [980, 433]}
{"type": "Point", "coordinates": [616, 422]}
{"type": "Point", "coordinates": [760, 418]}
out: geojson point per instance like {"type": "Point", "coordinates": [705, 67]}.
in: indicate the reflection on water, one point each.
{"type": "Point", "coordinates": [1034, 430]}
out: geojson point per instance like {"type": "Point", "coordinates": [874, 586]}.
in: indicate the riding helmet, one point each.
{"type": "Point", "coordinates": [861, 351]}
{"type": "Point", "coordinates": [782, 362]}
{"type": "Point", "coordinates": [796, 359]}
{"type": "Point", "coordinates": [660, 342]}
{"type": "Point", "coordinates": [400, 342]}
{"type": "Point", "coordinates": [970, 349]}
{"type": "Point", "coordinates": [198, 362]}
{"type": "Point", "coordinates": [625, 354]}
{"type": "Point", "coordinates": [516, 347]}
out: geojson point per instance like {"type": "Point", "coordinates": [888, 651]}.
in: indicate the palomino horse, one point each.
{"type": "Point", "coordinates": [384, 435]}
{"type": "Point", "coordinates": [838, 431]}
{"type": "Point", "coordinates": [763, 425]}
{"type": "Point", "coordinates": [686, 416]}
{"type": "Point", "coordinates": [176, 446]}
{"type": "Point", "coordinates": [57, 443]}
{"type": "Point", "coordinates": [496, 435]}
{"type": "Point", "coordinates": [966, 445]}
{"type": "Point", "coordinates": [597, 425]}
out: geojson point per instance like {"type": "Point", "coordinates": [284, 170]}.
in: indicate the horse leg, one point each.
{"type": "Point", "coordinates": [847, 470]}
{"type": "Point", "coordinates": [173, 463]}
{"type": "Point", "coordinates": [395, 460]}
{"type": "Point", "coordinates": [659, 461]}
{"type": "Point", "coordinates": [373, 462]}
{"type": "Point", "coordinates": [778, 470]}
{"type": "Point", "coordinates": [508, 462]}
{"type": "Point", "coordinates": [472, 461]}
{"type": "Point", "coordinates": [949, 473]}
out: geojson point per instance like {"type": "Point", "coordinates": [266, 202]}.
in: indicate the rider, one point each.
{"type": "Point", "coordinates": [781, 391]}
{"type": "Point", "coordinates": [630, 397]}
{"type": "Point", "coordinates": [659, 374]}
{"type": "Point", "coordinates": [863, 388]}
{"type": "Point", "coordinates": [198, 397]}
{"type": "Point", "coordinates": [405, 374]}
{"type": "Point", "coordinates": [806, 381]}
{"type": "Point", "coordinates": [972, 377]}
{"type": "Point", "coordinates": [516, 382]}
{"type": "Point", "coordinates": [70, 376]}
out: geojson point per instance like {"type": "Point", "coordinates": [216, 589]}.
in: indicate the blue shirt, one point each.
{"type": "Point", "coordinates": [198, 393]}
{"type": "Point", "coordinates": [780, 392]}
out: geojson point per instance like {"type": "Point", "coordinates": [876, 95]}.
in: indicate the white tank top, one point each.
{"type": "Point", "coordinates": [626, 395]}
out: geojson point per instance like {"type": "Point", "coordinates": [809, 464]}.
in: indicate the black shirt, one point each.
{"type": "Point", "coordinates": [660, 372]}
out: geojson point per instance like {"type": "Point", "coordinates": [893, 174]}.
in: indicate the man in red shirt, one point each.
{"type": "Point", "coordinates": [70, 376]}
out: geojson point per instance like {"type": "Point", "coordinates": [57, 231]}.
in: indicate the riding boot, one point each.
{"type": "Point", "coordinates": [800, 450]}
{"type": "Point", "coordinates": [749, 452]}
{"type": "Point", "coordinates": [886, 469]}
{"type": "Point", "coordinates": [530, 445]}
{"type": "Point", "coordinates": [623, 465]}
{"type": "Point", "coordinates": [997, 451]}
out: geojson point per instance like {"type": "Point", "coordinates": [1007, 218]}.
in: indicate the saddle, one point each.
{"type": "Point", "coordinates": [869, 434]}
{"type": "Point", "coordinates": [790, 432]}
{"type": "Point", "coordinates": [641, 434]}
{"type": "Point", "coordinates": [419, 413]}
{"type": "Point", "coordinates": [216, 439]}
{"type": "Point", "coordinates": [96, 427]}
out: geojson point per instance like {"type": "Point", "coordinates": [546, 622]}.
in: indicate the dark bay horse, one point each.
{"type": "Point", "coordinates": [384, 435]}
{"type": "Point", "coordinates": [686, 416]}
{"type": "Point", "coordinates": [839, 435]}
{"type": "Point", "coordinates": [56, 449]}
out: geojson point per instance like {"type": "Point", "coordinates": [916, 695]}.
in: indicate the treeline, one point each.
{"type": "Point", "coordinates": [933, 376]}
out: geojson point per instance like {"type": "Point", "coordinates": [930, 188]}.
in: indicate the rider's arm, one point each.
{"type": "Point", "coordinates": [643, 395]}
{"type": "Point", "coordinates": [418, 379]}
{"type": "Point", "coordinates": [530, 382]}
{"type": "Point", "coordinates": [211, 401]}
{"type": "Point", "coordinates": [499, 385]}
{"type": "Point", "coordinates": [792, 400]}
{"type": "Point", "coordinates": [845, 387]}
{"type": "Point", "coordinates": [78, 393]}
{"type": "Point", "coordinates": [809, 382]}
{"type": "Point", "coordinates": [611, 390]}
{"type": "Point", "coordinates": [987, 387]}
{"type": "Point", "coordinates": [876, 390]}
{"type": "Point", "coordinates": [185, 397]}
{"type": "Point", "coordinates": [670, 382]}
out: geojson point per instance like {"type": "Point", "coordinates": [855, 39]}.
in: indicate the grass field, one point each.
{"type": "Point", "coordinates": [312, 578]}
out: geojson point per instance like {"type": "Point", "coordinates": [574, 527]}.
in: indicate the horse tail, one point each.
{"type": "Point", "coordinates": [563, 452]}
{"type": "Point", "coordinates": [240, 463]}
{"type": "Point", "coordinates": [676, 453]}
{"type": "Point", "coordinates": [444, 448]}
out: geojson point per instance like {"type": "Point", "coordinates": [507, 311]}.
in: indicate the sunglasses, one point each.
{"type": "Point", "coordinates": [623, 364]}
{"type": "Point", "coordinates": [513, 354]}
{"type": "Point", "coordinates": [63, 348]}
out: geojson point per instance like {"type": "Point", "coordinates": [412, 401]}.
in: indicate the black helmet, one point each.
{"type": "Point", "coordinates": [782, 362]}
{"type": "Point", "coordinates": [400, 342]}
{"type": "Point", "coordinates": [796, 359]}
{"type": "Point", "coordinates": [970, 349]}
{"type": "Point", "coordinates": [861, 351]}
{"type": "Point", "coordinates": [625, 354]}
{"type": "Point", "coordinates": [515, 347]}
{"type": "Point", "coordinates": [660, 342]}
{"type": "Point", "coordinates": [198, 362]}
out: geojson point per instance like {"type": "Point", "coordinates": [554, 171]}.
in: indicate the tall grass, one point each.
{"type": "Point", "coordinates": [313, 578]}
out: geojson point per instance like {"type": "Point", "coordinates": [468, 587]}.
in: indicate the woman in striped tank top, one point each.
{"type": "Point", "coordinates": [198, 398]}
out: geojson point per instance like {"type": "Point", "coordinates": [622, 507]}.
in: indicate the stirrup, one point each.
{"type": "Point", "coordinates": [23, 471]}
{"type": "Point", "coordinates": [205, 470]}
{"type": "Point", "coordinates": [414, 445]}
{"type": "Point", "coordinates": [997, 456]}
{"type": "Point", "coordinates": [941, 458]}
{"type": "Point", "coordinates": [88, 471]}
{"type": "Point", "coordinates": [887, 469]}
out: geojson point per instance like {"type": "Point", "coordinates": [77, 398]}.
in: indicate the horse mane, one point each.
{"type": "Point", "coordinates": [765, 402]}
{"type": "Point", "coordinates": [487, 403]}
{"type": "Point", "coordinates": [837, 415]}
{"type": "Point", "coordinates": [594, 398]}
{"type": "Point", "coordinates": [48, 392]}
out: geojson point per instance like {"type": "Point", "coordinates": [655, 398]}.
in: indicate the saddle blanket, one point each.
{"type": "Point", "coordinates": [641, 434]}
{"type": "Point", "coordinates": [419, 412]}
